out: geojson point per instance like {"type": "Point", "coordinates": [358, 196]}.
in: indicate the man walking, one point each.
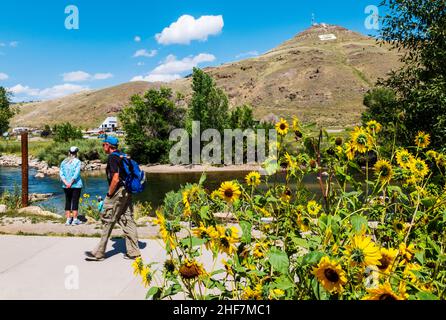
{"type": "Point", "coordinates": [118, 207]}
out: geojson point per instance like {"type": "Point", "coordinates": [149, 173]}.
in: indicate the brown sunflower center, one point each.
{"type": "Point", "coordinates": [229, 193]}
{"type": "Point", "coordinates": [189, 271]}
{"type": "Point", "coordinates": [282, 126]}
{"type": "Point", "coordinates": [387, 296]}
{"type": "Point", "coordinates": [331, 275]}
{"type": "Point", "coordinates": [385, 262]}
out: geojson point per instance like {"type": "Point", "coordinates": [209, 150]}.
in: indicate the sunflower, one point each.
{"type": "Point", "coordinates": [138, 266]}
{"type": "Point", "coordinates": [330, 275]}
{"type": "Point", "coordinates": [286, 195]}
{"type": "Point", "coordinates": [191, 269]}
{"type": "Point", "coordinates": [296, 126]}
{"type": "Point", "coordinates": [361, 140]}
{"type": "Point", "coordinates": [363, 251]}
{"type": "Point", "coordinates": [349, 151]}
{"type": "Point", "coordinates": [215, 195]}
{"type": "Point", "coordinates": [400, 227]}
{"type": "Point", "coordinates": [292, 164]}
{"type": "Point", "coordinates": [253, 179]}
{"type": "Point", "coordinates": [407, 252]}
{"type": "Point", "coordinates": [383, 292]}
{"type": "Point", "coordinates": [409, 271]}
{"type": "Point", "coordinates": [374, 127]}
{"type": "Point", "coordinates": [229, 191]}
{"type": "Point", "coordinates": [228, 267]}
{"type": "Point", "coordinates": [165, 230]}
{"type": "Point", "coordinates": [313, 208]}
{"type": "Point", "coordinates": [433, 155]}
{"type": "Point", "coordinates": [384, 171]}
{"type": "Point", "coordinates": [253, 294]}
{"type": "Point", "coordinates": [419, 167]}
{"type": "Point", "coordinates": [169, 266]}
{"type": "Point", "coordinates": [227, 238]}
{"type": "Point", "coordinates": [259, 250]}
{"type": "Point", "coordinates": [276, 294]}
{"type": "Point", "coordinates": [207, 233]}
{"type": "Point", "coordinates": [422, 140]}
{"type": "Point", "coordinates": [403, 158]}
{"type": "Point", "coordinates": [303, 223]}
{"type": "Point", "coordinates": [146, 276]}
{"type": "Point", "coordinates": [282, 127]}
{"type": "Point", "coordinates": [387, 258]}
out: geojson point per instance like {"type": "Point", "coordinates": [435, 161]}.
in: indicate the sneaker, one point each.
{"type": "Point", "coordinates": [127, 257]}
{"type": "Point", "coordinates": [69, 221]}
{"type": "Point", "coordinates": [76, 222]}
{"type": "Point", "coordinates": [92, 257]}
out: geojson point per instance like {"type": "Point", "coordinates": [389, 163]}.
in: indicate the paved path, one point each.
{"type": "Point", "coordinates": [47, 268]}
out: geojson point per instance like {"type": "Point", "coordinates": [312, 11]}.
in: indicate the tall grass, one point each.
{"type": "Point", "coordinates": [15, 147]}
{"type": "Point", "coordinates": [89, 149]}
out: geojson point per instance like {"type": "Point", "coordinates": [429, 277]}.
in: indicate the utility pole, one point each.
{"type": "Point", "coordinates": [25, 168]}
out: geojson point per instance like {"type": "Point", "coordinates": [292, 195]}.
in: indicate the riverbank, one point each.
{"type": "Point", "coordinates": [43, 169]}
{"type": "Point", "coordinates": [165, 168]}
{"type": "Point", "coordinates": [95, 167]}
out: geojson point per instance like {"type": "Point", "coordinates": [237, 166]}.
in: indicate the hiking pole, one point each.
{"type": "Point", "coordinates": [24, 140]}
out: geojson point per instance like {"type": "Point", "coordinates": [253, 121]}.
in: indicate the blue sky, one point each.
{"type": "Point", "coordinates": [41, 59]}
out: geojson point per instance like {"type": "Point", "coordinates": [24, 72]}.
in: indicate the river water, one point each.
{"type": "Point", "coordinates": [158, 184]}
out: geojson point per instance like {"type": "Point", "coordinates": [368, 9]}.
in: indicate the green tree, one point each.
{"type": "Point", "coordinates": [66, 132]}
{"type": "Point", "coordinates": [148, 121]}
{"type": "Point", "coordinates": [6, 111]}
{"type": "Point", "coordinates": [209, 104]}
{"type": "Point", "coordinates": [417, 28]}
{"type": "Point", "coordinates": [242, 118]}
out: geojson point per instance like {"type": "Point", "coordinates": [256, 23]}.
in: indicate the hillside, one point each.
{"type": "Point", "coordinates": [322, 81]}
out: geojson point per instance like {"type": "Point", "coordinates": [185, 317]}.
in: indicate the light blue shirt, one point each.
{"type": "Point", "coordinates": [70, 171]}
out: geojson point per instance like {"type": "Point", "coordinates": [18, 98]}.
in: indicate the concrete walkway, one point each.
{"type": "Point", "coordinates": [54, 268]}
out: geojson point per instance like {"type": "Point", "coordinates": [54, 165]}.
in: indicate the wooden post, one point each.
{"type": "Point", "coordinates": [24, 140]}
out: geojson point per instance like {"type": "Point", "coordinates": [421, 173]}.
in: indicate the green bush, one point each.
{"type": "Point", "coordinates": [55, 153]}
{"type": "Point", "coordinates": [12, 200]}
{"type": "Point", "coordinates": [173, 204]}
{"type": "Point", "coordinates": [66, 132]}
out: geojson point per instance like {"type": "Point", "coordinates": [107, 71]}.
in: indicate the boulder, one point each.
{"type": "Point", "coordinates": [37, 211]}
{"type": "Point", "coordinates": [34, 197]}
{"type": "Point", "coordinates": [225, 216]}
{"type": "Point", "coordinates": [3, 208]}
{"type": "Point", "coordinates": [40, 175]}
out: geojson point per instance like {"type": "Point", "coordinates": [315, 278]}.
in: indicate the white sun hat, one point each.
{"type": "Point", "coordinates": [74, 149]}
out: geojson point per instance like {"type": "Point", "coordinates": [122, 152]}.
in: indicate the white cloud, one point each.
{"type": "Point", "coordinates": [2, 44]}
{"type": "Point", "coordinates": [139, 64]}
{"type": "Point", "coordinates": [14, 44]}
{"type": "Point", "coordinates": [76, 76]}
{"type": "Point", "coordinates": [102, 76]}
{"type": "Point", "coordinates": [80, 76]}
{"type": "Point", "coordinates": [187, 29]}
{"type": "Point", "coordinates": [171, 68]}
{"type": "Point", "coordinates": [54, 92]}
{"type": "Point", "coordinates": [248, 54]}
{"type": "Point", "coordinates": [157, 78]}
{"type": "Point", "coordinates": [145, 53]}
{"type": "Point", "coordinates": [3, 76]}
{"type": "Point", "coordinates": [137, 39]}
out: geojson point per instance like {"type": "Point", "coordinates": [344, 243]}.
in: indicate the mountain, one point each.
{"type": "Point", "coordinates": [320, 75]}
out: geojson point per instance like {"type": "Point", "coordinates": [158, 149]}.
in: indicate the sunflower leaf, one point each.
{"type": "Point", "coordinates": [279, 260]}
{"type": "Point", "coordinates": [359, 223]}
{"type": "Point", "coordinates": [154, 292]}
{"type": "Point", "coordinates": [312, 258]}
{"type": "Point", "coordinates": [246, 229]}
{"type": "Point", "coordinates": [426, 296]}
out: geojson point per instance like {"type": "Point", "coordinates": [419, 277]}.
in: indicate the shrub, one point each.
{"type": "Point", "coordinates": [56, 152]}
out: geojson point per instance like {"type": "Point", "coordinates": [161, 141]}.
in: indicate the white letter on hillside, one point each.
{"type": "Point", "coordinates": [179, 153]}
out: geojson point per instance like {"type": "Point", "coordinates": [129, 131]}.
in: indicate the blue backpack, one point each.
{"type": "Point", "coordinates": [135, 178]}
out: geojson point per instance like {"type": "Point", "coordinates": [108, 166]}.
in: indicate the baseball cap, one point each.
{"type": "Point", "coordinates": [74, 149]}
{"type": "Point", "coordinates": [111, 140]}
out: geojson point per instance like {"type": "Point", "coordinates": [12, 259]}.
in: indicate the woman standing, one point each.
{"type": "Point", "coordinates": [70, 174]}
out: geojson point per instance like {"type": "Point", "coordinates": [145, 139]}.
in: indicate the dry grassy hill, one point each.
{"type": "Point", "coordinates": [322, 81]}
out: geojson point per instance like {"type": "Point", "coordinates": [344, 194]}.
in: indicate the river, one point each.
{"type": "Point", "coordinates": [158, 184]}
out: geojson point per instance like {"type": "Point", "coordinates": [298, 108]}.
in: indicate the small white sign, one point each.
{"type": "Point", "coordinates": [325, 37]}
